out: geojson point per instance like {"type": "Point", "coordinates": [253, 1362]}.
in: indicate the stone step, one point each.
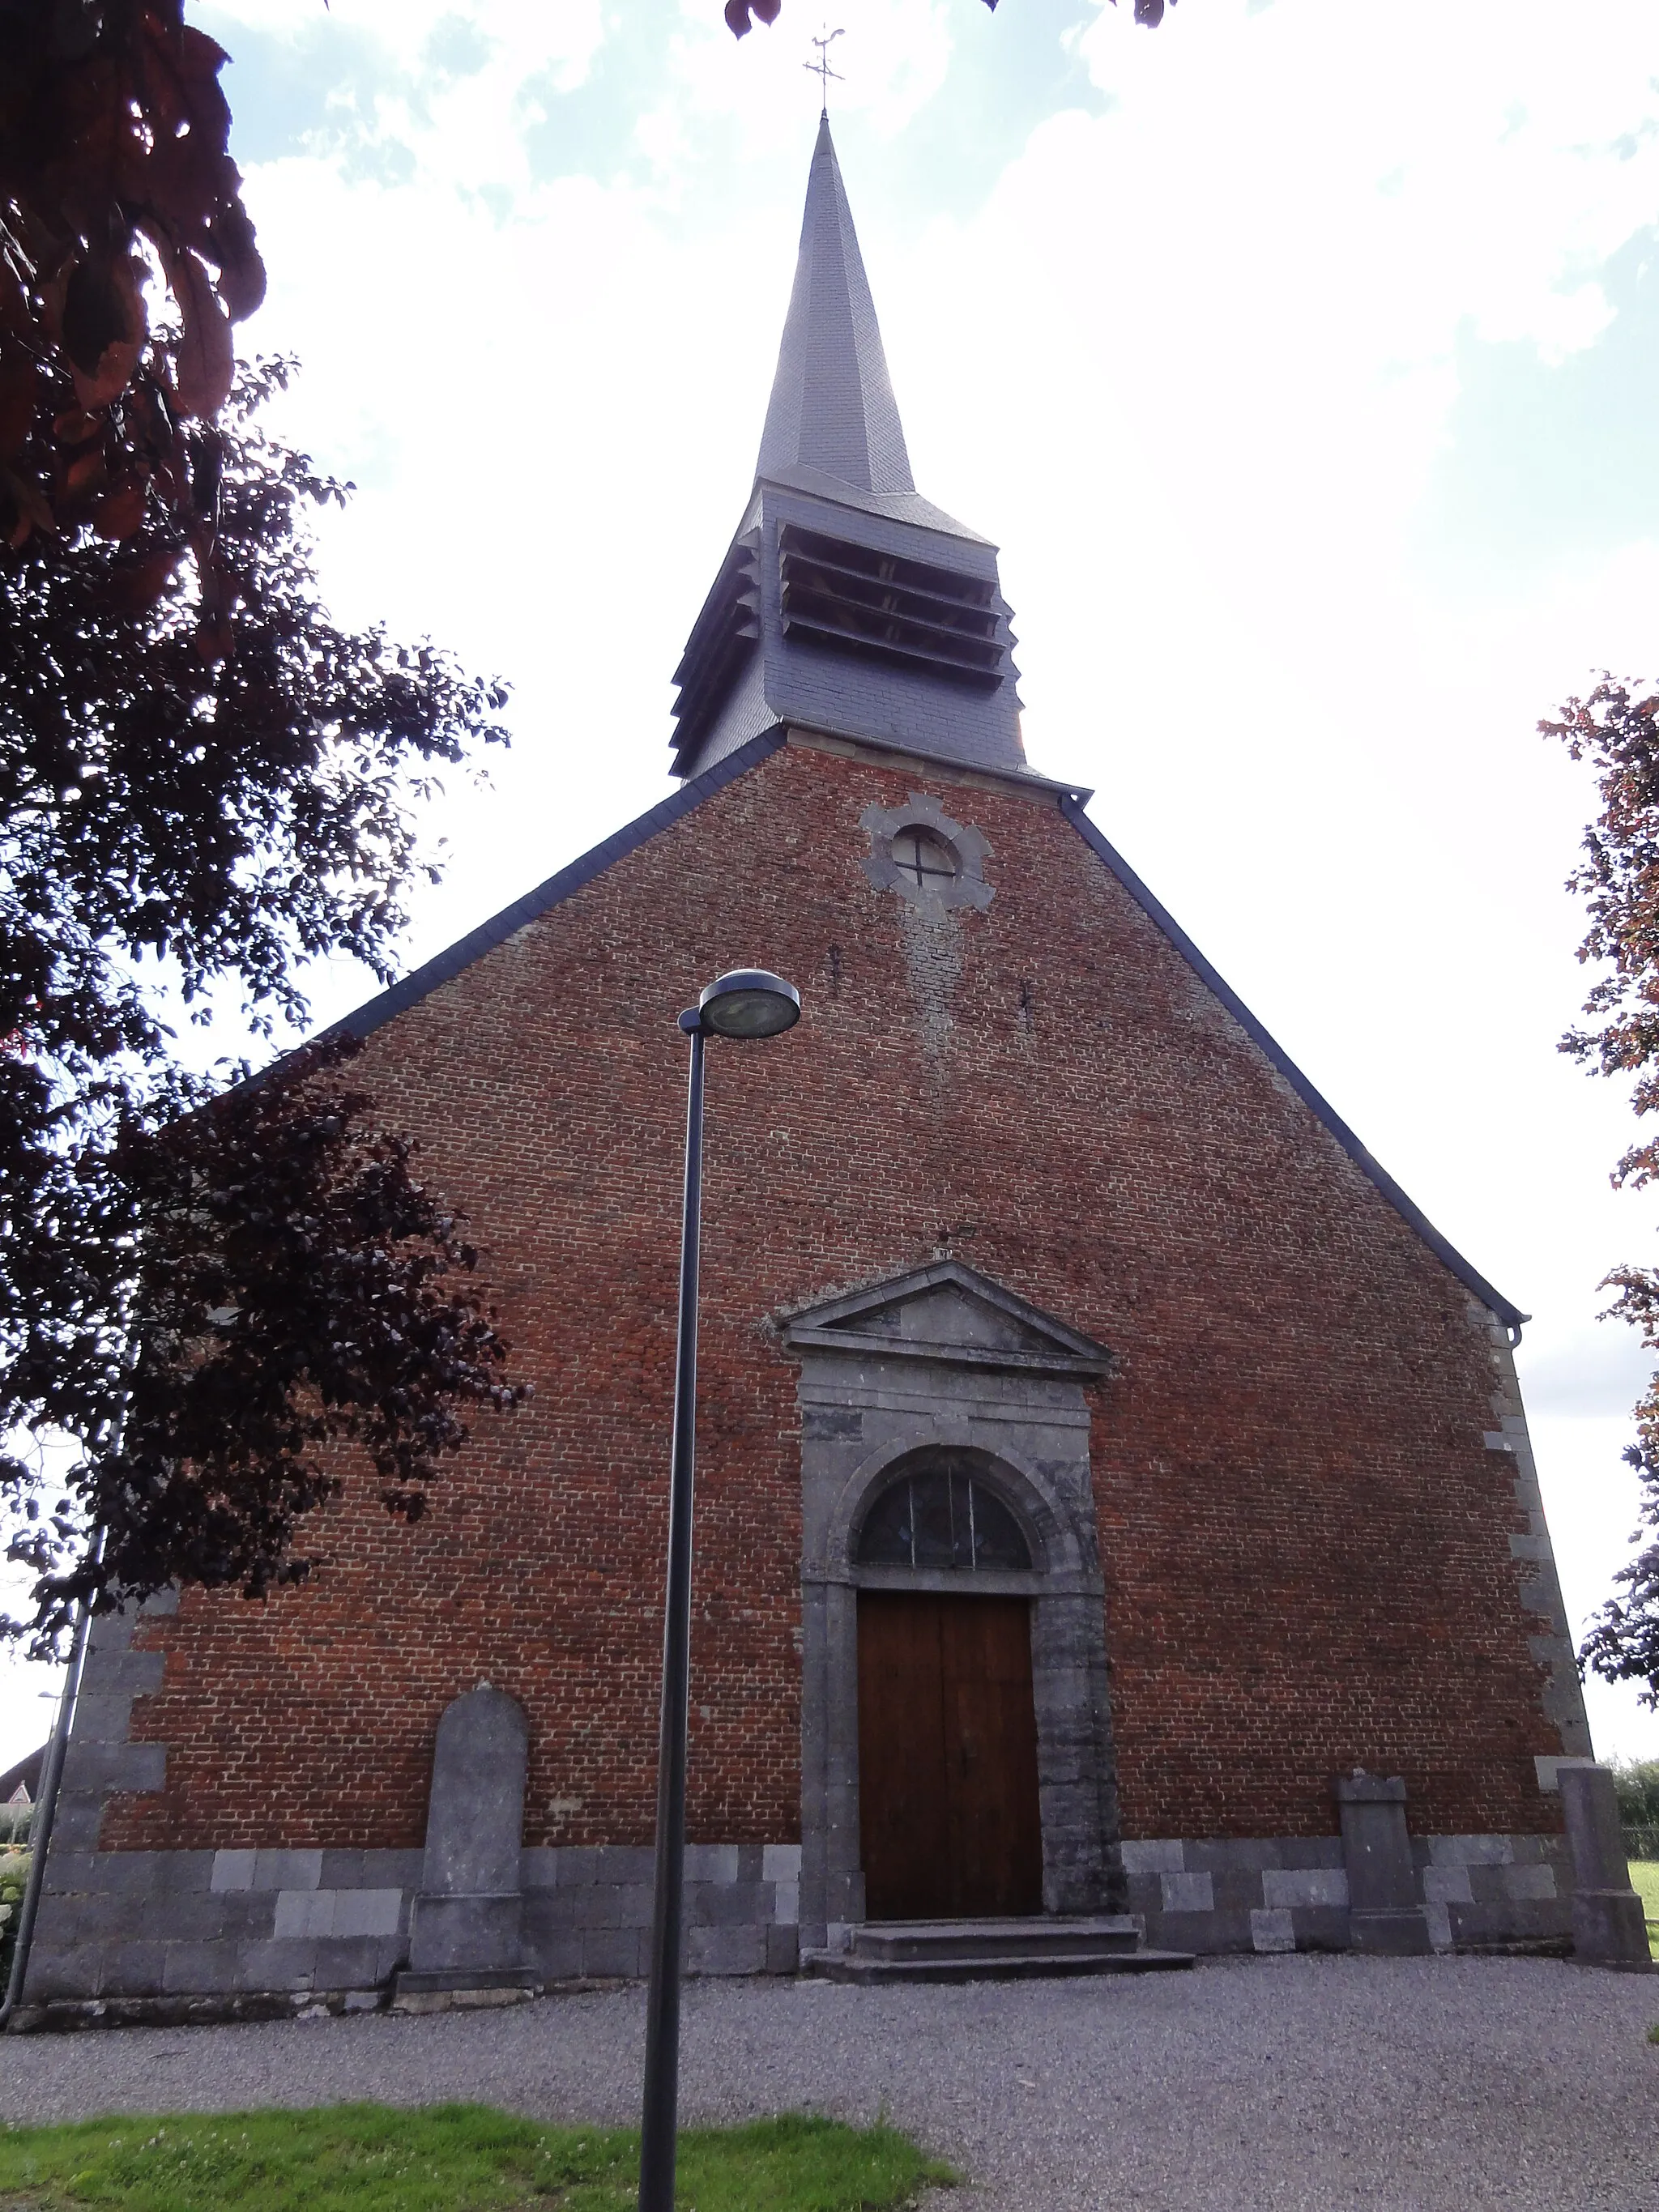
{"type": "Point", "coordinates": [1029, 1935]}
{"type": "Point", "coordinates": [990, 1966]}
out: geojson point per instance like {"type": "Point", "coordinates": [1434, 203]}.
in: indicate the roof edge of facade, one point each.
{"type": "Point", "coordinates": [1407, 1209]}
{"type": "Point", "coordinates": [445, 966]}
{"type": "Point", "coordinates": [890, 752]}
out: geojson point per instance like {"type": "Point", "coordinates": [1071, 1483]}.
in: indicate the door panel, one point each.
{"type": "Point", "coordinates": [947, 1757]}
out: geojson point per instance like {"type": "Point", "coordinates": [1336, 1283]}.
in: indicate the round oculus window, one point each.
{"type": "Point", "coordinates": [923, 858]}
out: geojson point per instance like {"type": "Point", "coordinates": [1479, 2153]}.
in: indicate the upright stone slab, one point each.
{"type": "Point", "coordinates": [466, 1937]}
{"type": "Point", "coordinates": [1384, 1912]}
{"type": "Point", "coordinates": [1609, 1927]}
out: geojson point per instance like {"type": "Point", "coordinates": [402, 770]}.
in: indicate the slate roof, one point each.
{"type": "Point", "coordinates": [546, 896]}
{"type": "Point", "coordinates": [847, 602]}
{"type": "Point", "coordinates": [832, 406]}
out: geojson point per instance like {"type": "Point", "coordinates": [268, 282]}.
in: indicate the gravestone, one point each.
{"type": "Point", "coordinates": [1384, 1912]}
{"type": "Point", "coordinates": [1609, 1924]}
{"type": "Point", "coordinates": [466, 1937]}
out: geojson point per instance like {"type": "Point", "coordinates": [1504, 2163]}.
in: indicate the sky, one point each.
{"type": "Point", "coordinates": [1300, 358]}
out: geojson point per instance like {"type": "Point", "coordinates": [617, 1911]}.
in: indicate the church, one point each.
{"type": "Point", "coordinates": [1114, 1502]}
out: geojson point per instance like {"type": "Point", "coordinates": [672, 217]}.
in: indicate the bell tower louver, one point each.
{"type": "Point", "coordinates": [847, 603]}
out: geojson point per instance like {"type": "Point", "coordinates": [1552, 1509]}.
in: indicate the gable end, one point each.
{"type": "Point", "coordinates": [1411, 1214]}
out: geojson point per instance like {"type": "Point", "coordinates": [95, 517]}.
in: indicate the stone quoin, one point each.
{"type": "Point", "coordinates": [1066, 1364]}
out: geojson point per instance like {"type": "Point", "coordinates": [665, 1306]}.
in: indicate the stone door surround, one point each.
{"type": "Point", "coordinates": [942, 1355]}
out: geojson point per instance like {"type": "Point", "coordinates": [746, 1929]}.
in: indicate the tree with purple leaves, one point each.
{"type": "Point", "coordinates": [1617, 731]}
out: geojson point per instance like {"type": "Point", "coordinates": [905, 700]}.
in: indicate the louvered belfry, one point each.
{"type": "Point", "coordinates": [848, 601]}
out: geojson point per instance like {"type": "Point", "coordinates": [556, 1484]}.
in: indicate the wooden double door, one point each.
{"type": "Point", "coordinates": [947, 1757]}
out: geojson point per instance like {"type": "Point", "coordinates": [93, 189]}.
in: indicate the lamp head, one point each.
{"type": "Point", "coordinates": [749, 1002]}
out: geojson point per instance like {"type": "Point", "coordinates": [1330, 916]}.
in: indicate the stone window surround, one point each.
{"type": "Point", "coordinates": [935, 896]}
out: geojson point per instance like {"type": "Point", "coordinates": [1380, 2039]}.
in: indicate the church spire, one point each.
{"type": "Point", "coordinates": [832, 405]}
{"type": "Point", "coordinates": [848, 606]}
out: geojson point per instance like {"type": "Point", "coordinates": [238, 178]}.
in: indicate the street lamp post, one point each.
{"type": "Point", "coordinates": [747, 1003]}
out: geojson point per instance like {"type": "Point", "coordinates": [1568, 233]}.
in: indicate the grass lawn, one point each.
{"type": "Point", "coordinates": [1644, 1880]}
{"type": "Point", "coordinates": [447, 2158]}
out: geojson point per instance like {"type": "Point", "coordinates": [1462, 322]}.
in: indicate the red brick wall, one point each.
{"type": "Point", "coordinates": [1305, 1543]}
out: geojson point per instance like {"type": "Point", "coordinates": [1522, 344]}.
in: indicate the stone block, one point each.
{"type": "Point", "coordinates": [1145, 1893]}
{"type": "Point", "coordinates": [1447, 1885]}
{"type": "Point", "coordinates": [134, 1968]}
{"type": "Point", "coordinates": [785, 1904]}
{"type": "Point", "coordinates": [102, 1767]}
{"type": "Point", "coordinates": [781, 1863]}
{"type": "Point", "coordinates": [612, 1904]}
{"type": "Point", "coordinates": [782, 1951]}
{"type": "Point", "coordinates": [69, 1872]}
{"type": "Point", "coordinates": [79, 1821]}
{"type": "Point", "coordinates": [1231, 1854]}
{"type": "Point", "coordinates": [629, 1863]}
{"type": "Point", "coordinates": [343, 1869]}
{"type": "Point", "coordinates": [1308, 1851]}
{"type": "Point", "coordinates": [1186, 1893]}
{"type": "Point", "coordinates": [1161, 1857]}
{"type": "Point", "coordinates": [608, 1953]}
{"type": "Point", "coordinates": [1322, 1928]}
{"type": "Point", "coordinates": [193, 1917]}
{"type": "Point", "coordinates": [579, 1866]}
{"type": "Point", "coordinates": [1509, 1923]}
{"type": "Point", "coordinates": [1207, 1933]}
{"type": "Point", "coordinates": [1470, 1850]}
{"type": "Point", "coordinates": [196, 1969]}
{"type": "Point", "coordinates": [271, 1965]}
{"type": "Point", "coordinates": [724, 1904]}
{"type": "Point", "coordinates": [711, 1863]}
{"type": "Point", "coordinates": [288, 1869]}
{"type": "Point", "coordinates": [303, 1913]}
{"type": "Point", "coordinates": [1238, 1889]}
{"type": "Point", "coordinates": [73, 1969]}
{"type": "Point", "coordinates": [367, 1912]}
{"type": "Point", "coordinates": [727, 1951]}
{"type": "Point", "coordinates": [353, 1962]}
{"type": "Point", "coordinates": [1528, 1881]}
{"type": "Point", "coordinates": [556, 1955]}
{"type": "Point", "coordinates": [123, 1873]}
{"type": "Point", "coordinates": [1285, 1888]}
{"type": "Point", "coordinates": [751, 1862]}
{"type": "Point", "coordinates": [1273, 1929]}
{"type": "Point", "coordinates": [538, 1866]}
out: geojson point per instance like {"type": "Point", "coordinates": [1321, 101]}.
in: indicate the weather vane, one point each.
{"type": "Point", "coordinates": [821, 68]}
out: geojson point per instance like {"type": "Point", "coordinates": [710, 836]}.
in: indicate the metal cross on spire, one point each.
{"type": "Point", "coordinates": [821, 68]}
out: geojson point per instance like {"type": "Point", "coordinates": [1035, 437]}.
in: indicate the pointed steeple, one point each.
{"type": "Point", "coordinates": [848, 605]}
{"type": "Point", "coordinates": [832, 406]}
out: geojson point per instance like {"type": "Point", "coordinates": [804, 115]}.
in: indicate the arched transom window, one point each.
{"type": "Point", "coordinates": [938, 1512]}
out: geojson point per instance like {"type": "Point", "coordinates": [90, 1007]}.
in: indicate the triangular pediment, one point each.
{"type": "Point", "coordinates": [944, 1312]}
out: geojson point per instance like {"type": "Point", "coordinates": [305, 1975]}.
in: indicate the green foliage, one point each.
{"type": "Point", "coordinates": [14, 1874]}
{"type": "Point", "coordinates": [449, 2158]}
{"type": "Point", "coordinates": [1636, 1782]}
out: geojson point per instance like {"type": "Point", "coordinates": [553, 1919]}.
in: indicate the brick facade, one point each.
{"type": "Point", "coordinates": [1305, 1535]}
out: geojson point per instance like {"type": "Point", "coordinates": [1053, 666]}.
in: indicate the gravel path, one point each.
{"type": "Point", "coordinates": [1300, 2084]}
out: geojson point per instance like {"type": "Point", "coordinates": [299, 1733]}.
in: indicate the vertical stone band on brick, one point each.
{"type": "Point", "coordinates": [1609, 1925]}
{"type": "Point", "coordinates": [466, 1938]}
{"type": "Point", "coordinates": [1385, 1913]}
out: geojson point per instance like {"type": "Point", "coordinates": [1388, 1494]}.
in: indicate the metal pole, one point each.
{"type": "Point", "coordinates": [662, 2011]}
{"type": "Point", "coordinates": [46, 1807]}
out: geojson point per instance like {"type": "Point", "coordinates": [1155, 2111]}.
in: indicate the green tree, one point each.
{"type": "Point", "coordinates": [1617, 731]}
